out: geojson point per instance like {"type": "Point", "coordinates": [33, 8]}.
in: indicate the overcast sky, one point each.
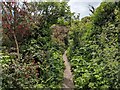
{"type": "Point", "coordinates": [82, 6]}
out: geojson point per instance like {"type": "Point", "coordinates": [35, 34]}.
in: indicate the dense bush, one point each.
{"type": "Point", "coordinates": [32, 74]}
{"type": "Point", "coordinates": [40, 63]}
{"type": "Point", "coordinates": [94, 52]}
{"type": "Point", "coordinates": [51, 65]}
{"type": "Point", "coordinates": [19, 75]}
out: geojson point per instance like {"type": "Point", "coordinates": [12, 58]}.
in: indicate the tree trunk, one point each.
{"type": "Point", "coordinates": [17, 46]}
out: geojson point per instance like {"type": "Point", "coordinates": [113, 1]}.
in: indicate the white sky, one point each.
{"type": "Point", "coordinates": [82, 6]}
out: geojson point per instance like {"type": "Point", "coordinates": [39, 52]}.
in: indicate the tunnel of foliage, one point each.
{"type": "Point", "coordinates": [35, 36]}
{"type": "Point", "coordinates": [94, 48]}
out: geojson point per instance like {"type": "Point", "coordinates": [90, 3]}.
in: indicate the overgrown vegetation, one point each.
{"type": "Point", "coordinates": [35, 36]}
{"type": "Point", "coordinates": [35, 58]}
{"type": "Point", "coordinates": [93, 51]}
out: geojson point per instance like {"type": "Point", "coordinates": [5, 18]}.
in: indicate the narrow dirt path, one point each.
{"type": "Point", "coordinates": [68, 78]}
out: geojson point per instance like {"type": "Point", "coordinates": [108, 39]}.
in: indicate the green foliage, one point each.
{"type": "Point", "coordinates": [51, 63]}
{"type": "Point", "coordinates": [40, 48]}
{"type": "Point", "coordinates": [104, 13]}
{"type": "Point", "coordinates": [93, 50]}
{"type": "Point", "coordinates": [19, 75]}
{"type": "Point", "coordinates": [43, 74]}
{"type": "Point", "coordinates": [4, 59]}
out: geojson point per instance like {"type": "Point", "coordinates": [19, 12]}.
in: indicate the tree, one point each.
{"type": "Point", "coordinates": [104, 13]}
{"type": "Point", "coordinates": [15, 22]}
